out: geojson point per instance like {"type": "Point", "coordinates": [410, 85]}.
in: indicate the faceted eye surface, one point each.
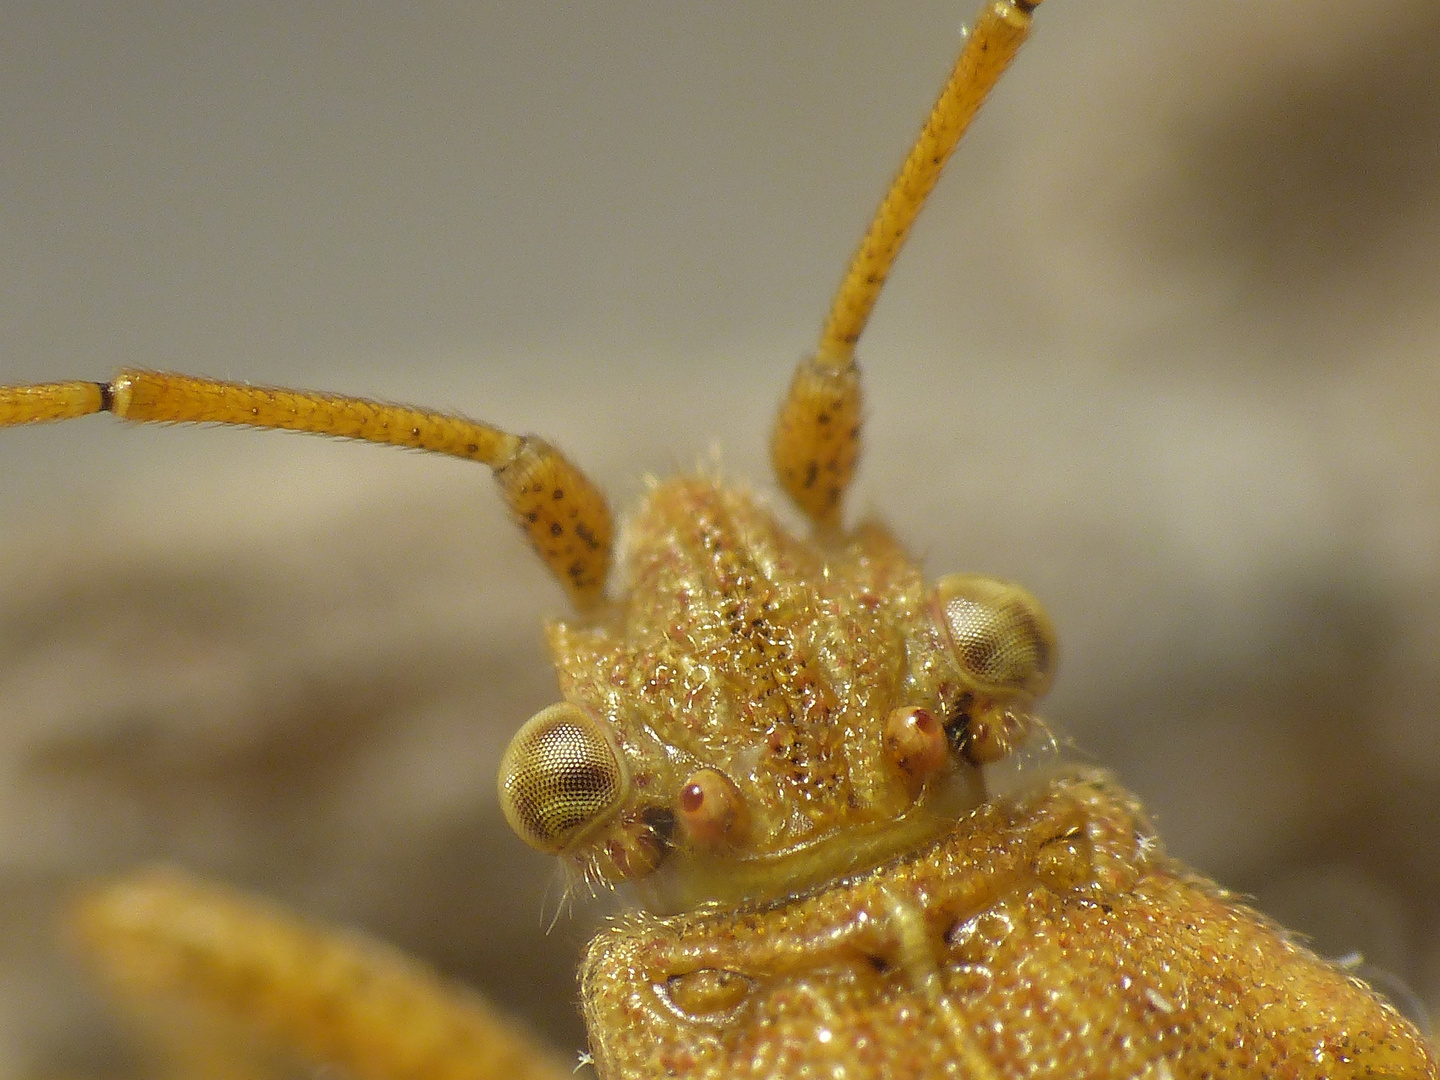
{"type": "Point", "coordinates": [1001, 635]}
{"type": "Point", "coordinates": [559, 776]}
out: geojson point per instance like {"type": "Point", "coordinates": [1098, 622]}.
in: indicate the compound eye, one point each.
{"type": "Point", "coordinates": [1001, 635]}
{"type": "Point", "coordinates": [560, 775]}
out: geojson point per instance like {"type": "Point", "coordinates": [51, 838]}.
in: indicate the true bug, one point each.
{"type": "Point", "coordinates": [961, 562]}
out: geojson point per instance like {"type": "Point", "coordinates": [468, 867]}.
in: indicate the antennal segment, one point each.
{"type": "Point", "coordinates": [563, 513]}
{"type": "Point", "coordinates": [999, 32]}
{"type": "Point", "coordinates": [816, 441]}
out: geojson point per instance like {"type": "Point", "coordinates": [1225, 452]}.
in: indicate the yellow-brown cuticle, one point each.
{"type": "Point", "coordinates": [1066, 862]}
{"type": "Point", "coordinates": [565, 516]}
{"type": "Point", "coordinates": [992, 732]}
{"type": "Point", "coordinates": [708, 994]}
{"type": "Point", "coordinates": [636, 845]}
{"type": "Point", "coordinates": [711, 809]}
{"type": "Point", "coordinates": [816, 439]}
{"type": "Point", "coordinates": [915, 741]}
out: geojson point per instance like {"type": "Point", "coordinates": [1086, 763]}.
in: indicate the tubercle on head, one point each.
{"type": "Point", "coordinates": [656, 767]}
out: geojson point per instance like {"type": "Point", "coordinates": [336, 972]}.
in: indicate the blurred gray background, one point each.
{"type": "Point", "coordinates": [1164, 348]}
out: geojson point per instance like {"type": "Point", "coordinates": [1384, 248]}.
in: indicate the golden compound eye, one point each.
{"type": "Point", "coordinates": [559, 776]}
{"type": "Point", "coordinates": [915, 741]}
{"type": "Point", "coordinates": [1001, 635]}
{"type": "Point", "coordinates": [711, 808]}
